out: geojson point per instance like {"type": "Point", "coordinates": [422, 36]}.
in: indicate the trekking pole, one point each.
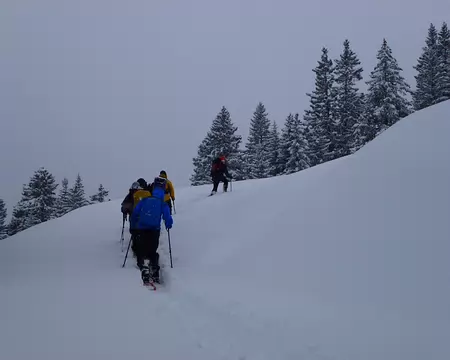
{"type": "Point", "coordinates": [170, 249]}
{"type": "Point", "coordinates": [126, 255]}
{"type": "Point", "coordinates": [174, 210]}
{"type": "Point", "coordinates": [123, 227]}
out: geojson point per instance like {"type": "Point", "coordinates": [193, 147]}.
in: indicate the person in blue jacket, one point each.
{"type": "Point", "coordinates": [146, 219]}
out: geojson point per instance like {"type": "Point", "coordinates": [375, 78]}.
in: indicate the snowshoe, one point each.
{"type": "Point", "coordinates": [145, 274]}
{"type": "Point", "coordinates": [155, 275]}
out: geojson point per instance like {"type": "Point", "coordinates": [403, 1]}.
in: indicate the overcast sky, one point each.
{"type": "Point", "coordinates": [117, 90]}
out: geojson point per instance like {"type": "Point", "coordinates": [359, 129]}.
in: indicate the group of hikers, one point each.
{"type": "Point", "coordinates": [145, 205]}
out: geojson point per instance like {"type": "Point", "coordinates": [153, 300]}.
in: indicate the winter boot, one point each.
{"type": "Point", "coordinates": [155, 269]}
{"type": "Point", "coordinates": [145, 273]}
{"type": "Point", "coordinates": [155, 275]}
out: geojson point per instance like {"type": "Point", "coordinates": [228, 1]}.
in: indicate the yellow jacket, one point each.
{"type": "Point", "coordinates": [139, 195]}
{"type": "Point", "coordinates": [170, 191]}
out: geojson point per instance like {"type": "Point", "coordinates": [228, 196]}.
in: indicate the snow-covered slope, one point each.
{"type": "Point", "coordinates": [348, 260]}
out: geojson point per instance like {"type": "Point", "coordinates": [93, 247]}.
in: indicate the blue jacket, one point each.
{"type": "Point", "coordinates": [148, 212]}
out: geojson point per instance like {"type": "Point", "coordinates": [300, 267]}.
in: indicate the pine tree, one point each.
{"type": "Point", "coordinates": [443, 49]}
{"type": "Point", "coordinates": [42, 189]}
{"type": "Point", "coordinates": [38, 203]}
{"type": "Point", "coordinates": [387, 93]}
{"type": "Point", "coordinates": [276, 167]}
{"type": "Point", "coordinates": [3, 227]}
{"type": "Point", "coordinates": [21, 215]}
{"type": "Point", "coordinates": [294, 147]}
{"type": "Point", "coordinates": [367, 128]}
{"type": "Point", "coordinates": [285, 141]}
{"type": "Point", "coordinates": [100, 196]}
{"type": "Point", "coordinates": [202, 163]}
{"type": "Point", "coordinates": [257, 147]}
{"type": "Point", "coordinates": [63, 204]}
{"type": "Point", "coordinates": [220, 140]}
{"type": "Point", "coordinates": [427, 79]}
{"type": "Point", "coordinates": [76, 195]}
{"type": "Point", "coordinates": [319, 117]}
{"type": "Point", "coordinates": [349, 105]}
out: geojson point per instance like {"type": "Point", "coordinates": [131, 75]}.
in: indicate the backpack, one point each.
{"type": "Point", "coordinates": [216, 165]}
{"type": "Point", "coordinates": [160, 182]}
{"type": "Point", "coordinates": [139, 195]}
{"type": "Point", "coordinates": [150, 214]}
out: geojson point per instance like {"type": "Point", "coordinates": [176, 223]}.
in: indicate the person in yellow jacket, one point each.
{"type": "Point", "coordinates": [169, 195]}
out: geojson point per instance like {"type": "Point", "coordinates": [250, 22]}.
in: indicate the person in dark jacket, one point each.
{"type": "Point", "coordinates": [219, 172]}
{"type": "Point", "coordinates": [127, 205]}
{"type": "Point", "coordinates": [146, 219]}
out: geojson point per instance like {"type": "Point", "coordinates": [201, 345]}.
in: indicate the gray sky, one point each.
{"type": "Point", "coordinates": [117, 90]}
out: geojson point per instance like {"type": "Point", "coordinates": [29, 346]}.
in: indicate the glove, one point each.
{"type": "Point", "coordinates": [168, 226]}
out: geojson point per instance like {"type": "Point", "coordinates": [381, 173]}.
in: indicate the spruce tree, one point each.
{"type": "Point", "coordinates": [3, 227]}
{"type": "Point", "coordinates": [42, 189]}
{"type": "Point", "coordinates": [257, 147]}
{"type": "Point", "coordinates": [220, 140]}
{"type": "Point", "coordinates": [443, 48]}
{"type": "Point", "coordinates": [38, 203]}
{"type": "Point", "coordinates": [367, 128]}
{"type": "Point", "coordinates": [21, 215]}
{"type": "Point", "coordinates": [285, 141]}
{"type": "Point", "coordinates": [387, 92]}
{"type": "Point", "coordinates": [349, 105]}
{"type": "Point", "coordinates": [319, 117]}
{"type": "Point", "coordinates": [63, 203]}
{"type": "Point", "coordinates": [294, 148]}
{"type": "Point", "coordinates": [427, 79]}
{"type": "Point", "coordinates": [101, 195]}
{"type": "Point", "coordinates": [77, 195]}
{"type": "Point", "coordinates": [202, 163]}
{"type": "Point", "coordinates": [275, 167]}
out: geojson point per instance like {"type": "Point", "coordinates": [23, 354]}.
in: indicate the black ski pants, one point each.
{"type": "Point", "coordinates": [217, 179]}
{"type": "Point", "coordinates": [146, 243]}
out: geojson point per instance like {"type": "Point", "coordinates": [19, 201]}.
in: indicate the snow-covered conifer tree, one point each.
{"type": "Point", "coordinates": [3, 226]}
{"type": "Point", "coordinates": [276, 167]}
{"type": "Point", "coordinates": [349, 105]}
{"type": "Point", "coordinates": [294, 148]}
{"type": "Point", "coordinates": [257, 147]}
{"type": "Point", "coordinates": [319, 117]}
{"type": "Point", "coordinates": [427, 79]}
{"type": "Point", "coordinates": [387, 93]}
{"type": "Point", "coordinates": [77, 195]}
{"type": "Point", "coordinates": [221, 139]}
{"type": "Point", "coordinates": [101, 195]}
{"type": "Point", "coordinates": [38, 203]}
{"type": "Point", "coordinates": [63, 203]}
{"type": "Point", "coordinates": [443, 48]}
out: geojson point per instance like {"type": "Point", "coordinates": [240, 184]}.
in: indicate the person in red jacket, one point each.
{"type": "Point", "coordinates": [219, 172]}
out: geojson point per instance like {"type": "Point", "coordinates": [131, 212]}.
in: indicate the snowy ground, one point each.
{"type": "Point", "coordinates": [344, 261]}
